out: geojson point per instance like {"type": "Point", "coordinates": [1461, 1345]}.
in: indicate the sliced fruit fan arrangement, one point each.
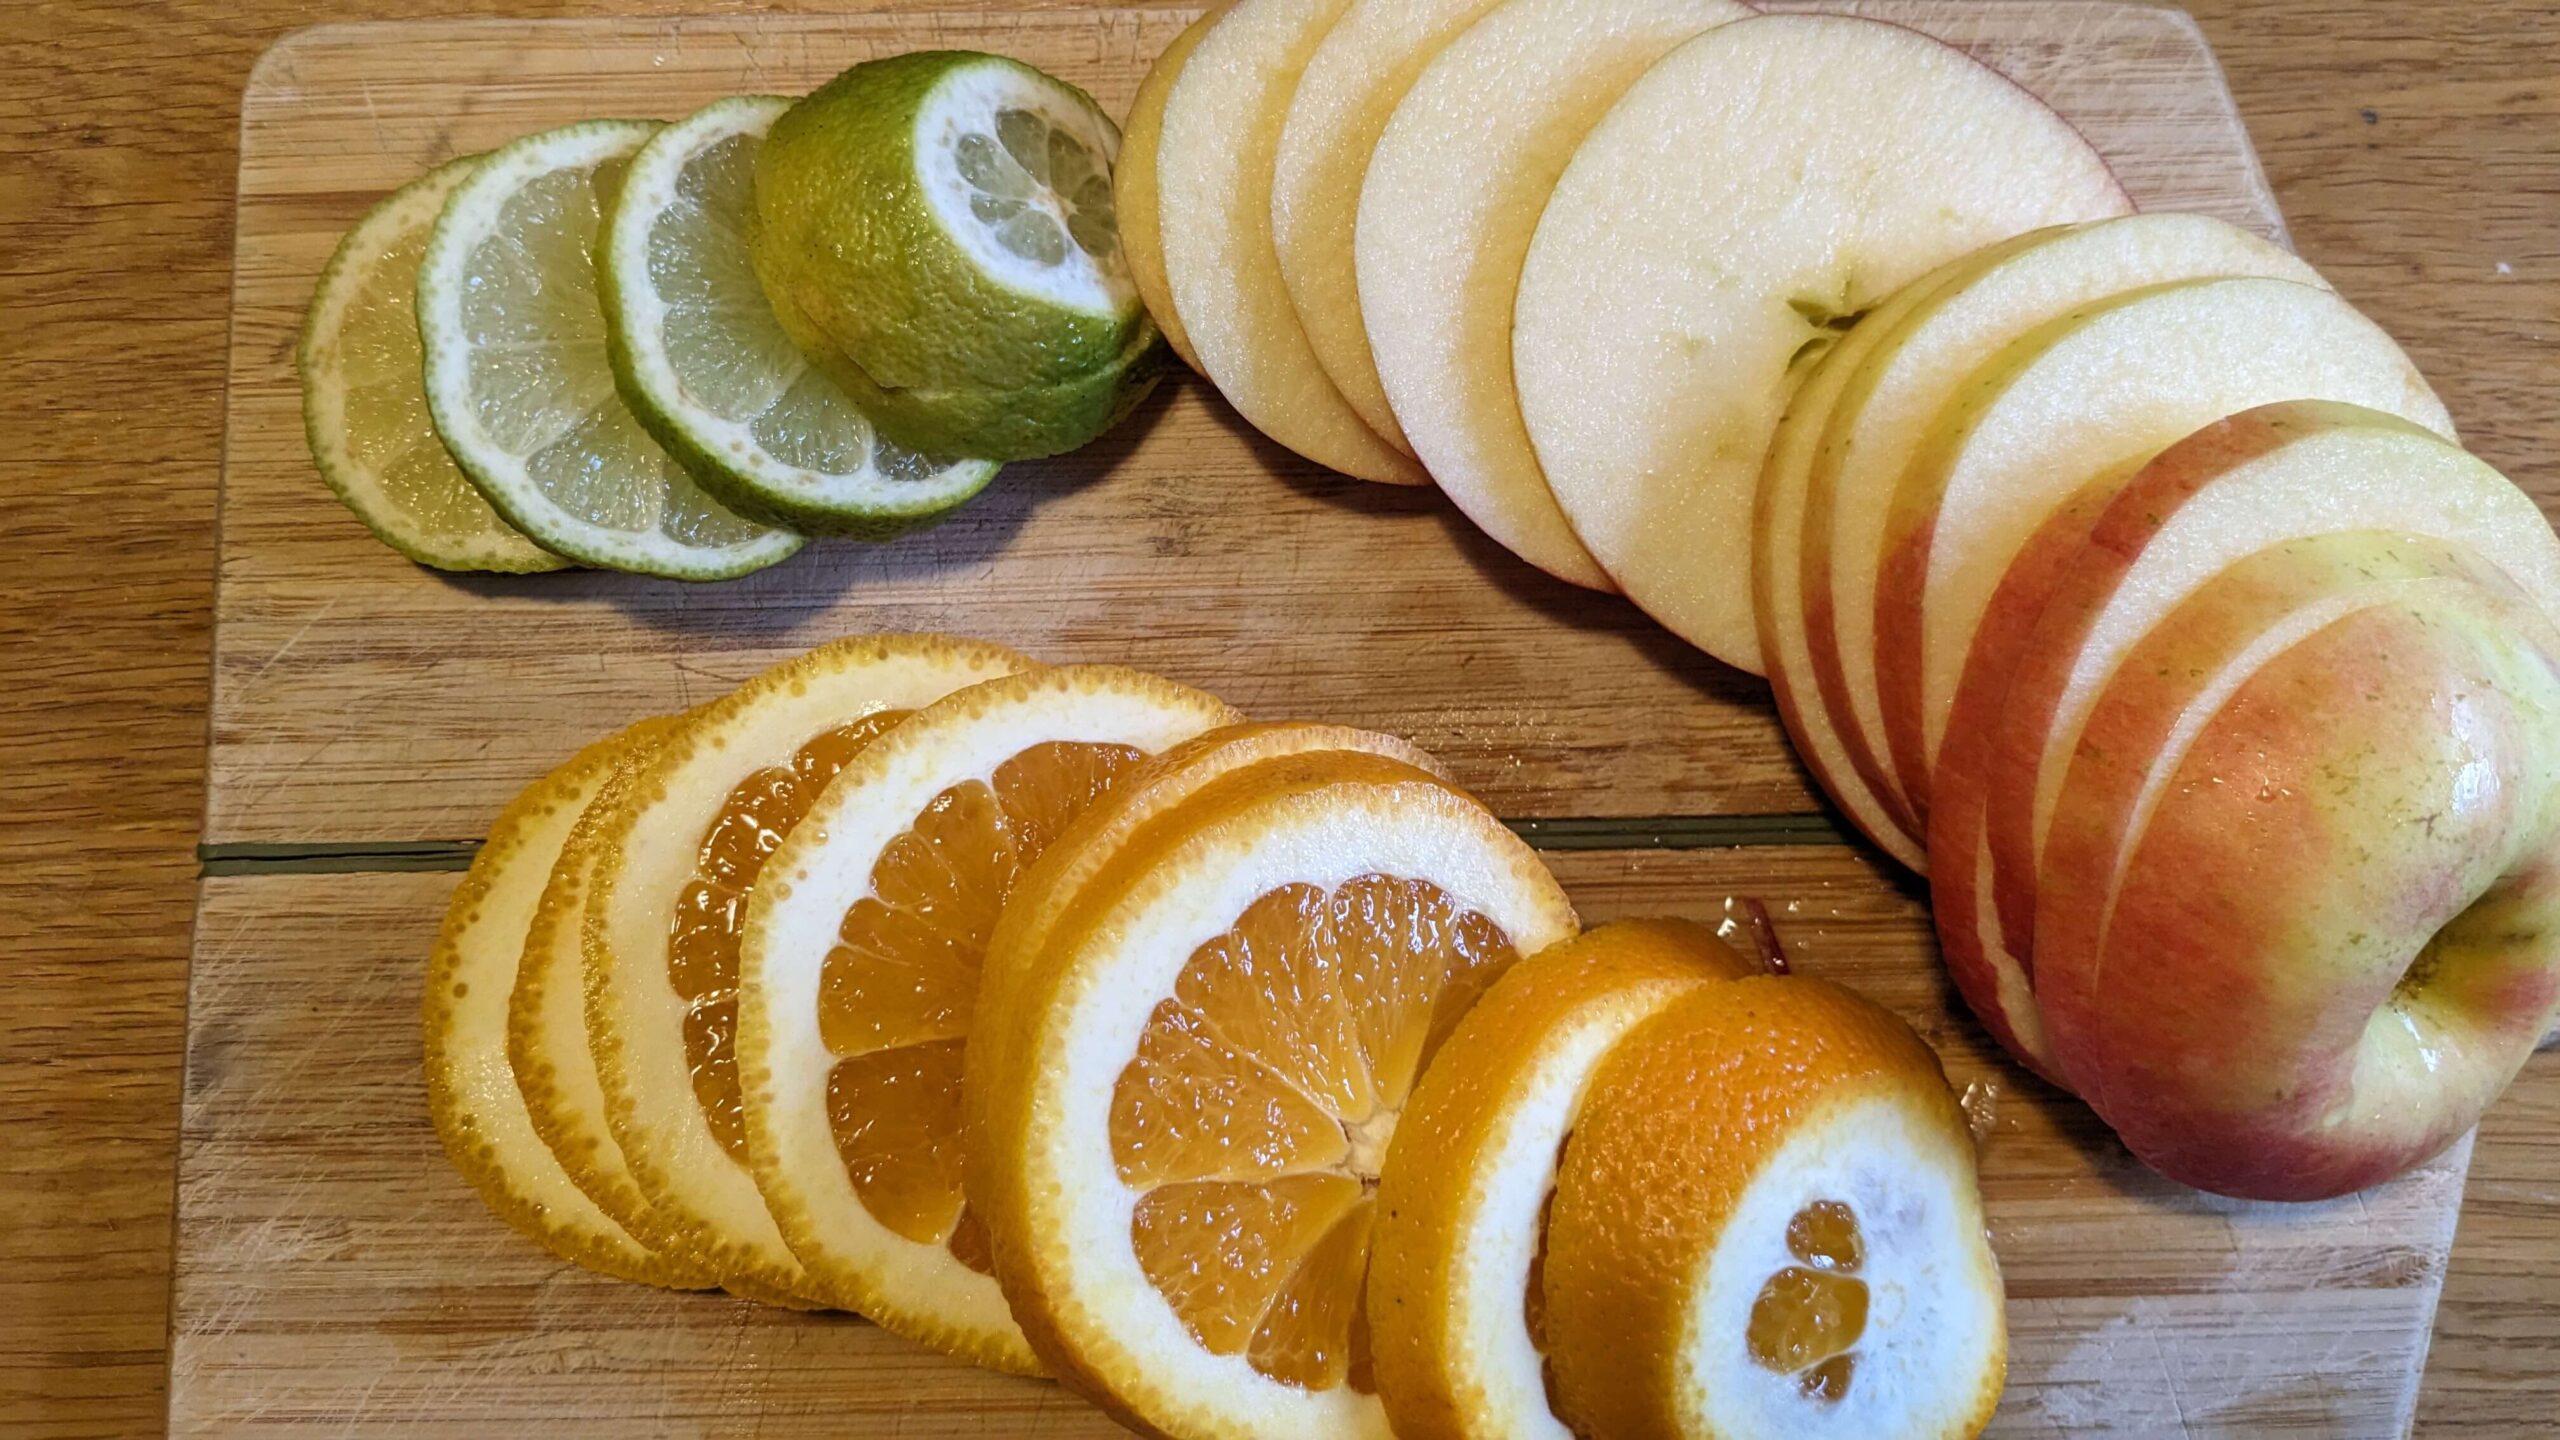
{"type": "Point", "coordinates": [2108, 568]}
{"type": "Point", "coordinates": [1251, 1078]}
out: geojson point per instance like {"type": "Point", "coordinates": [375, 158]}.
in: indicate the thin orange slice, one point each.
{"type": "Point", "coordinates": [859, 980]}
{"type": "Point", "coordinates": [547, 1049]}
{"type": "Point", "coordinates": [471, 1086]}
{"type": "Point", "coordinates": [676, 863]}
{"type": "Point", "coordinates": [1455, 1306]}
{"type": "Point", "coordinates": [1183, 1144]}
{"type": "Point", "coordinates": [1767, 1223]}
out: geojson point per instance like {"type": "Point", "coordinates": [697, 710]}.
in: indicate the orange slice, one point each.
{"type": "Point", "coordinates": [547, 1049]}
{"type": "Point", "coordinates": [860, 977]}
{"type": "Point", "coordinates": [675, 863]}
{"type": "Point", "coordinates": [1454, 1302]}
{"type": "Point", "coordinates": [471, 1086]}
{"type": "Point", "coordinates": [1182, 1146]}
{"type": "Point", "coordinates": [1767, 1223]}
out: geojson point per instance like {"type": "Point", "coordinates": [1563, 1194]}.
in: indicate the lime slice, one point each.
{"type": "Point", "coordinates": [517, 377]}
{"type": "Point", "coordinates": [937, 231]}
{"type": "Point", "coordinates": [364, 410]}
{"type": "Point", "coordinates": [709, 371]}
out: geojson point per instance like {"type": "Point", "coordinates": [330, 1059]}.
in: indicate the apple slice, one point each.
{"type": "Point", "coordinates": [2173, 676]}
{"type": "Point", "coordinates": [1779, 519]}
{"type": "Point", "coordinates": [2327, 947]}
{"type": "Point", "coordinates": [2093, 393]}
{"type": "Point", "coordinates": [1759, 188]}
{"type": "Point", "coordinates": [1453, 192]}
{"type": "Point", "coordinates": [1914, 373]}
{"type": "Point", "coordinates": [1214, 154]}
{"type": "Point", "coordinates": [1366, 63]}
{"type": "Point", "coordinates": [1133, 183]}
{"type": "Point", "coordinates": [2047, 647]}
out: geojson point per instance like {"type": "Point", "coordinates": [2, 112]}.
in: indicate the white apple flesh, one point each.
{"type": "Point", "coordinates": [1214, 154]}
{"type": "Point", "coordinates": [1366, 63]}
{"type": "Point", "coordinates": [1451, 197]}
{"type": "Point", "coordinates": [1756, 190]}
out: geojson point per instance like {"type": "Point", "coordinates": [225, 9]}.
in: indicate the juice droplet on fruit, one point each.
{"type": "Point", "coordinates": [896, 993]}
{"type": "Point", "coordinates": [702, 943]}
{"type": "Point", "coordinates": [1809, 1316]}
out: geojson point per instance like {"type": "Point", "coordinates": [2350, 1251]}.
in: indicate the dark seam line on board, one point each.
{"type": "Point", "coordinates": [1659, 832]}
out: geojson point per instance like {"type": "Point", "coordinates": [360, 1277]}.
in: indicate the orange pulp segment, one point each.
{"type": "Point", "coordinates": [1256, 1113]}
{"type": "Point", "coordinates": [899, 988]}
{"type": "Point", "coordinates": [702, 941]}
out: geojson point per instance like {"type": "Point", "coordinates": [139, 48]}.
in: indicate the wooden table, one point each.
{"type": "Point", "coordinates": [2412, 147]}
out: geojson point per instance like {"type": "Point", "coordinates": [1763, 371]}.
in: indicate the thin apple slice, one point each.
{"type": "Point", "coordinates": [1789, 609]}
{"type": "Point", "coordinates": [1780, 516]}
{"type": "Point", "coordinates": [1913, 375]}
{"type": "Point", "coordinates": [1367, 61]}
{"type": "Point", "coordinates": [1214, 153]}
{"type": "Point", "coordinates": [2096, 392]}
{"type": "Point", "coordinates": [2325, 949]}
{"type": "Point", "coordinates": [1453, 192]}
{"type": "Point", "coordinates": [2173, 676]}
{"type": "Point", "coordinates": [1133, 183]}
{"type": "Point", "coordinates": [2238, 486]}
{"type": "Point", "coordinates": [1759, 188]}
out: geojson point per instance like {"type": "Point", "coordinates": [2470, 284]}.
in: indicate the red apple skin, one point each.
{"type": "Point", "coordinates": [2384, 787]}
{"type": "Point", "coordinates": [2039, 665]}
{"type": "Point", "coordinates": [1822, 643]}
{"type": "Point", "coordinates": [1959, 877]}
{"type": "Point", "coordinates": [1992, 964]}
{"type": "Point", "coordinates": [2301, 586]}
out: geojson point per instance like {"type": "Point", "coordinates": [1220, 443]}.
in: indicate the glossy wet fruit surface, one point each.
{"type": "Point", "coordinates": [702, 945]}
{"type": "Point", "coordinates": [1810, 1314]}
{"type": "Point", "coordinates": [1257, 1111]}
{"type": "Point", "coordinates": [901, 985]}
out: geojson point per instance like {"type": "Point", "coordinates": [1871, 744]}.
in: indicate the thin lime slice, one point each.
{"type": "Point", "coordinates": [519, 383]}
{"type": "Point", "coordinates": [704, 364]}
{"type": "Point", "coordinates": [938, 233]}
{"type": "Point", "coordinates": [364, 410]}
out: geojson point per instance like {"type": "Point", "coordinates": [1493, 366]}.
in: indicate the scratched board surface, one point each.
{"type": "Point", "coordinates": [360, 698]}
{"type": "Point", "coordinates": [334, 1274]}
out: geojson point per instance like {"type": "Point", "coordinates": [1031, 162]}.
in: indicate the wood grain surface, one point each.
{"type": "Point", "coordinates": [2410, 146]}
{"type": "Point", "coordinates": [335, 1274]}
{"type": "Point", "coordinates": [357, 697]}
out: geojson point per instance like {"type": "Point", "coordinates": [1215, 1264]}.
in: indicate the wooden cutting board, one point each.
{"type": "Point", "coordinates": [335, 1275]}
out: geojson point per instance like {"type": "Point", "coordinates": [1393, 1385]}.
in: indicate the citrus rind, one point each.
{"type": "Point", "coordinates": [471, 1086]}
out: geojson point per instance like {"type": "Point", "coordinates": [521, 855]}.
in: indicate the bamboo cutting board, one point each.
{"type": "Point", "coordinates": [334, 1275]}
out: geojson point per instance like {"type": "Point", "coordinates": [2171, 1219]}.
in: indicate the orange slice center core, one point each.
{"type": "Point", "coordinates": [702, 943]}
{"type": "Point", "coordinates": [1260, 1104]}
{"type": "Point", "coordinates": [898, 990]}
{"type": "Point", "coordinates": [1809, 1316]}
